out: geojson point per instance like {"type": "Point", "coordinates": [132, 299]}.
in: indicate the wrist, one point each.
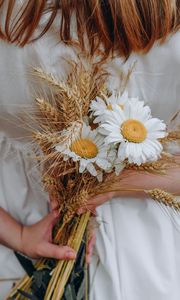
{"type": "Point", "coordinates": [129, 194]}
{"type": "Point", "coordinates": [24, 242]}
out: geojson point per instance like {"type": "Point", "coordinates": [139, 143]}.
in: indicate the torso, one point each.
{"type": "Point", "coordinates": [156, 81]}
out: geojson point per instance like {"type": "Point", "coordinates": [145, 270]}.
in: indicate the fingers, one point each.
{"type": "Point", "coordinates": [96, 201]}
{"type": "Point", "coordinates": [90, 246]}
{"type": "Point", "coordinates": [101, 198]}
{"type": "Point", "coordinates": [56, 212]}
{"type": "Point", "coordinates": [54, 206]}
{"type": "Point", "coordinates": [86, 208]}
{"type": "Point", "coordinates": [54, 251]}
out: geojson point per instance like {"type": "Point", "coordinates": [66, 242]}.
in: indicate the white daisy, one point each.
{"type": "Point", "coordinates": [89, 150]}
{"type": "Point", "coordinates": [135, 132]}
{"type": "Point", "coordinates": [100, 106]}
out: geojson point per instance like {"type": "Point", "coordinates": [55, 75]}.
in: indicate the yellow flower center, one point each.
{"type": "Point", "coordinates": [134, 131]}
{"type": "Point", "coordinates": [121, 106]}
{"type": "Point", "coordinates": [85, 148]}
{"type": "Point", "coordinates": [109, 107]}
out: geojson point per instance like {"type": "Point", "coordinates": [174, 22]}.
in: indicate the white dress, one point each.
{"type": "Point", "coordinates": [138, 244]}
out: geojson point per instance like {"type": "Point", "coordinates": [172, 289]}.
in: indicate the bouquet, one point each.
{"type": "Point", "coordinates": [87, 134]}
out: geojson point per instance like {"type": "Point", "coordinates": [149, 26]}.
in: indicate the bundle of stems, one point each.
{"type": "Point", "coordinates": [62, 271]}
{"type": "Point", "coordinates": [58, 118]}
{"type": "Point", "coordinates": [62, 110]}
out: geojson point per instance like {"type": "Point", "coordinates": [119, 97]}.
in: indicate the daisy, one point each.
{"type": "Point", "coordinates": [100, 106]}
{"type": "Point", "coordinates": [89, 150]}
{"type": "Point", "coordinates": [135, 132]}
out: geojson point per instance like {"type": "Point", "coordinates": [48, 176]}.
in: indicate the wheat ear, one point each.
{"type": "Point", "coordinates": [164, 198]}
{"type": "Point", "coordinates": [48, 111]}
{"type": "Point", "coordinates": [50, 80]}
{"type": "Point", "coordinates": [172, 136]}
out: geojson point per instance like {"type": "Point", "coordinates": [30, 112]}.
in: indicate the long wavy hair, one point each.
{"type": "Point", "coordinates": [124, 26]}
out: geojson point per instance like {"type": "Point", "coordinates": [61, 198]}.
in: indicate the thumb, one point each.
{"type": "Point", "coordinates": [58, 252]}
{"type": "Point", "coordinates": [50, 219]}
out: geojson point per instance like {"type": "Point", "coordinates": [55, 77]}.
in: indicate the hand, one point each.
{"type": "Point", "coordinates": [54, 205]}
{"type": "Point", "coordinates": [90, 246]}
{"type": "Point", "coordinates": [92, 241]}
{"type": "Point", "coordinates": [135, 182]}
{"type": "Point", "coordinates": [96, 201]}
{"type": "Point", "coordinates": [37, 241]}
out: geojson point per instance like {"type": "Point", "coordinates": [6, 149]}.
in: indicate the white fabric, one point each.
{"type": "Point", "coordinates": [19, 194]}
{"type": "Point", "coordinates": [138, 244]}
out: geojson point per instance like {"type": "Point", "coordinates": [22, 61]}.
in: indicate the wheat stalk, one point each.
{"type": "Point", "coordinates": [71, 105]}
{"type": "Point", "coordinates": [72, 206]}
{"type": "Point", "coordinates": [63, 270]}
{"type": "Point", "coordinates": [49, 112]}
{"type": "Point", "coordinates": [172, 136]}
{"type": "Point", "coordinates": [46, 141]}
{"type": "Point", "coordinates": [164, 198]}
{"type": "Point", "coordinates": [158, 167]}
{"type": "Point", "coordinates": [50, 80]}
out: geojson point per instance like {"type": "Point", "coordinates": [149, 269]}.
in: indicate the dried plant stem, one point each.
{"type": "Point", "coordinates": [107, 190]}
{"type": "Point", "coordinates": [79, 233]}
{"type": "Point", "coordinates": [63, 270]}
{"type": "Point", "coordinates": [158, 167]}
{"type": "Point", "coordinates": [20, 285]}
{"type": "Point", "coordinates": [24, 283]}
{"type": "Point", "coordinates": [59, 233]}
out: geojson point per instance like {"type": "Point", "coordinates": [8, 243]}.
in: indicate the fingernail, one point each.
{"type": "Point", "coordinates": [70, 254]}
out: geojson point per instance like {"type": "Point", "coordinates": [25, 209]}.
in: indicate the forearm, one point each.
{"type": "Point", "coordinates": [135, 180]}
{"type": "Point", "coordinates": [134, 183]}
{"type": "Point", "coordinates": [10, 231]}
{"type": "Point", "coordinates": [34, 241]}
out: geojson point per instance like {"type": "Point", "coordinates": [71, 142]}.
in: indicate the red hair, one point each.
{"type": "Point", "coordinates": [124, 26]}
